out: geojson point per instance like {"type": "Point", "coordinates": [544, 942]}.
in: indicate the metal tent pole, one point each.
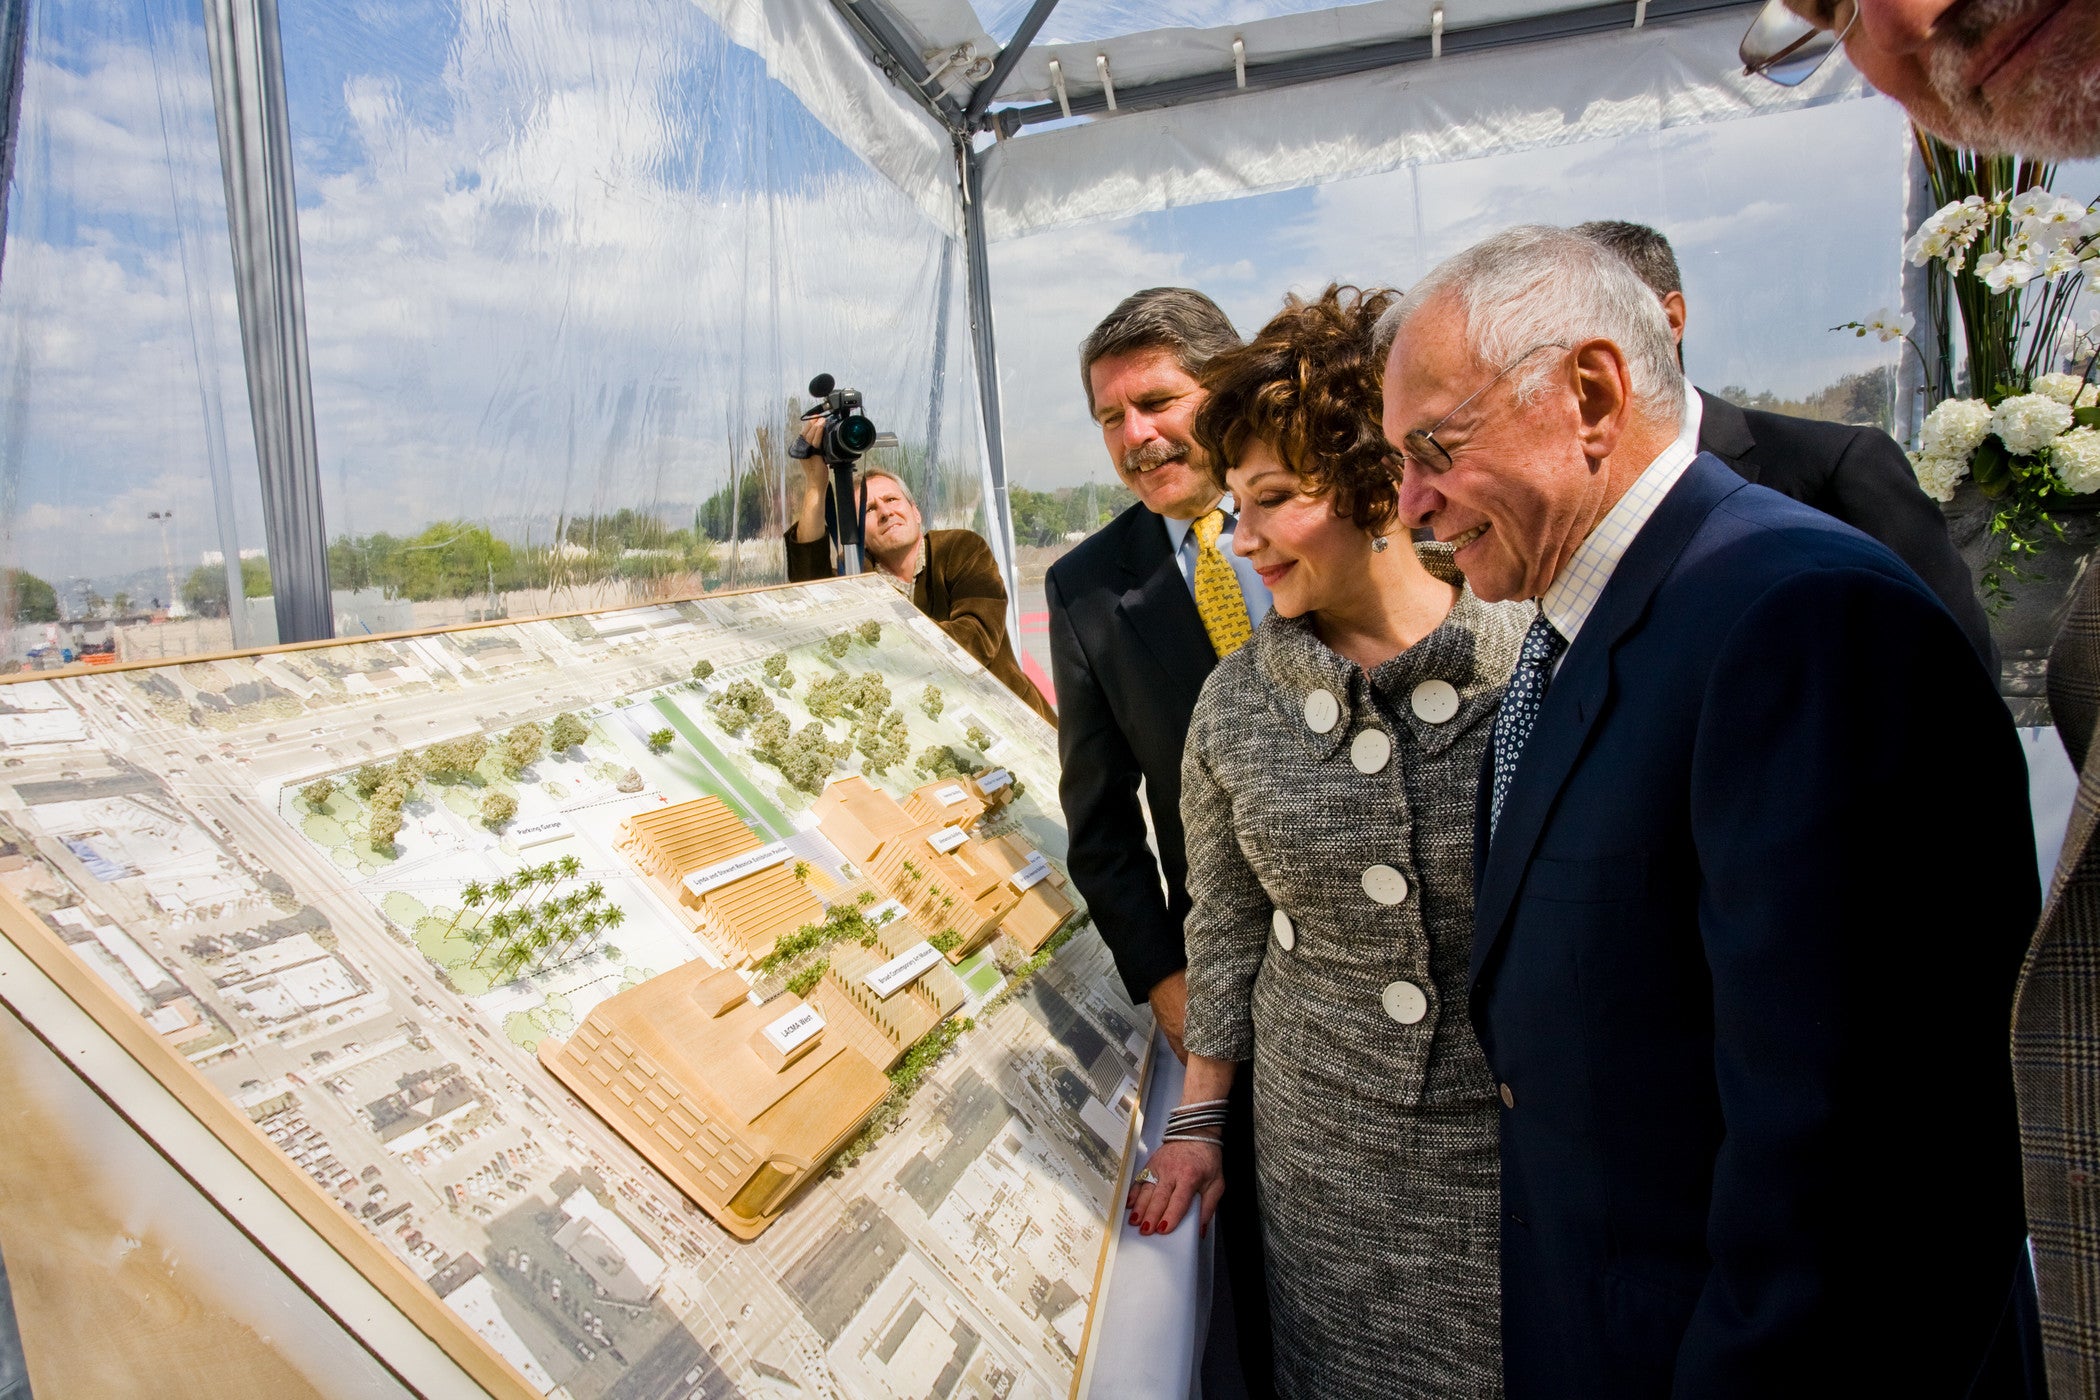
{"type": "Point", "coordinates": [255, 153]}
{"type": "Point", "coordinates": [982, 339]}
{"type": "Point", "coordinates": [14, 33]}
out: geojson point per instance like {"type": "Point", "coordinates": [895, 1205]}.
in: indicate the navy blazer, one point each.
{"type": "Point", "coordinates": [1745, 947]}
{"type": "Point", "coordinates": [1128, 657]}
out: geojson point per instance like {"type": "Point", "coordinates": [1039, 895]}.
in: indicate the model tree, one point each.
{"type": "Point", "coordinates": [869, 632]}
{"type": "Point", "coordinates": [386, 825]}
{"type": "Point", "coordinates": [318, 792]}
{"type": "Point", "coordinates": [660, 740]}
{"type": "Point", "coordinates": [522, 747]}
{"type": "Point", "coordinates": [736, 708]}
{"type": "Point", "coordinates": [776, 669]}
{"type": "Point", "coordinates": [497, 808]}
{"type": "Point", "coordinates": [828, 696]}
{"type": "Point", "coordinates": [838, 644]}
{"type": "Point", "coordinates": [566, 732]}
{"type": "Point", "coordinates": [977, 737]}
{"type": "Point", "coordinates": [702, 669]}
{"type": "Point", "coordinates": [368, 778]}
{"type": "Point", "coordinates": [455, 758]}
{"type": "Point", "coordinates": [932, 701]}
{"type": "Point", "coordinates": [884, 743]}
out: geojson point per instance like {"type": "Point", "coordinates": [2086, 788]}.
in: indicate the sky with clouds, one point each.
{"type": "Point", "coordinates": [563, 258]}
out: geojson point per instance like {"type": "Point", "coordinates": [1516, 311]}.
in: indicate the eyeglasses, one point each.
{"type": "Point", "coordinates": [1782, 47]}
{"type": "Point", "coordinates": [1421, 446]}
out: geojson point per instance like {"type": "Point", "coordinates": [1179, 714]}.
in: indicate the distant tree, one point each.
{"type": "Point", "coordinates": [523, 745]}
{"type": "Point", "coordinates": [386, 825]}
{"type": "Point", "coordinates": [121, 604]}
{"type": "Point", "coordinates": [869, 632]}
{"type": "Point", "coordinates": [29, 597]}
{"type": "Point", "coordinates": [702, 669]}
{"type": "Point", "coordinates": [497, 808]}
{"type": "Point", "coordinates": [660, 740]}
{"type": "Point", "coordinates": [368, 779]}
{"type": "Point", "coordinates": [318, 792]}
{"type": "Point", "coordinates": [566, 732]}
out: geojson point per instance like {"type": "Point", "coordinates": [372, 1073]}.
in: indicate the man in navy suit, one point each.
{"type": "Point", "coordinates": [1755, 875]}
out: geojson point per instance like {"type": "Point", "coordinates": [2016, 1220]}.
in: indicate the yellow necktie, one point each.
{"type": "Point", "coordinates": [1218, 598]}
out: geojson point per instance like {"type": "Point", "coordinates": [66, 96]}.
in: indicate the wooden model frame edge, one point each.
{"type": "Point", "coordinates": [1083, 1364]}
{"type": "Point", "coordinates": [61, 673]}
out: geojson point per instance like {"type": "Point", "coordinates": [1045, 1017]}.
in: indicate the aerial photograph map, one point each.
{"type": "Point", "coordinates": [692, 994]}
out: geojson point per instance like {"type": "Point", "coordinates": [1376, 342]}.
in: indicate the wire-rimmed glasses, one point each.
{"type": "Point", "coordinates": [1421, 446]}
{"type": "Point", "coordinates": [1782, 47]}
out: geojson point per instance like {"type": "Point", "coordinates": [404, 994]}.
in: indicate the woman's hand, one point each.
{"type": "Point", "coordinates": [1184, 1173]}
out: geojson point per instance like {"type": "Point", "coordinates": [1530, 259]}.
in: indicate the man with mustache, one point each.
{"type": "Point", "coordinates": [2014, 77]}
{"type": "Point", "coordinates": [1139, 615]}
{"type": "Point", "coordinates": [950, 575]}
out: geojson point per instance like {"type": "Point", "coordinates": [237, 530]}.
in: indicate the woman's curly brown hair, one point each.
{"type": "Point", "coordinates": [1308, 385]}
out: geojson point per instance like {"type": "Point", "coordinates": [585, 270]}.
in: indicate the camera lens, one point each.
{"type": "Point", "coordinates": [856, 435]}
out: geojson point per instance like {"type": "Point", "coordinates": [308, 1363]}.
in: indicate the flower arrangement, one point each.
{"type": "Point", "coordinates": [2010, 256]}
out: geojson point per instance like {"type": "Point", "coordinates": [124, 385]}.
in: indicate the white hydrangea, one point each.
{"type": "Point", "coordinates": [2027, 423]}
{"type": "Point", "coordinates": [1955, 429]}
{"type": "Point", "coordinates": [2076, 460]}
{"type": "Point", "coordinates": [1938, 476]}
{"type": "Point", "coordinates": [2069, 389]}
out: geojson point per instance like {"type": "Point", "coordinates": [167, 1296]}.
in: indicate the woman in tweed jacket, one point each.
{"type": "Point", "coordinates": [1328, 794]}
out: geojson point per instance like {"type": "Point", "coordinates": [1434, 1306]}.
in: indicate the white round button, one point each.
{"type": "Point", "coordinates": [1434, 701]}
{"type": "Point", "coordinates": [1370, 751]}
{"type": "Point", "coordinates": [1322, 711]}
{"type": "Point", "coordinates": [1404, 1002]}
{"type": "Point", "coordinates": [1385, 884]}
{"type": "Point", "coordinates": [1280, 925]}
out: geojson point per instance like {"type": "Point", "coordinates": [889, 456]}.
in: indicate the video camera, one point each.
{"type": "Point", "coordinates": [848, 434]}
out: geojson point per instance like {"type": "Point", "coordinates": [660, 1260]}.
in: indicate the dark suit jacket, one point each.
{"type": "Point", "coordinates": [1746, 941]}
{"type": "Point", "coordinates": [1860, 476]}
{"type": "Point", "coordinates": [1128, 655]}
{"type": "Point", "coordinates": [961, 589]}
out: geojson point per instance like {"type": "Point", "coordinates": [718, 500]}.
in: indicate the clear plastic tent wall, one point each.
{"type": "Point", "coordinates": [567, 270]}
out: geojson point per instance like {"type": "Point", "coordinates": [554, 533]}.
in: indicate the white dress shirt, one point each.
{"type": "Point", "coordinates": [1572, 596]}
{"type": "Point", "coordinates": [1181, 535]}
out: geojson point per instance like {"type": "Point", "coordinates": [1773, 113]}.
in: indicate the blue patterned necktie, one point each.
{"type": "Point", "coordinates": [1520, 708]}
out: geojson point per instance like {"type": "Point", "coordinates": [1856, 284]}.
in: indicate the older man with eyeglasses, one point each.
{"type": "Point", "coordinates": [1743, 952]}
{"type": "Point", "coordinates": [2005, 77]}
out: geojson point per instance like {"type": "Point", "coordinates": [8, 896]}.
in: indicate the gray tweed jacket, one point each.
{"type": "Point", "coordinates": [1329, 818]}
{"type": "Point", "coordinates": [2056, 1034]}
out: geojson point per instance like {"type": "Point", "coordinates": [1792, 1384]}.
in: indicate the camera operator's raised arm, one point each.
{"type": "Point", "coordinates": [808, 541]}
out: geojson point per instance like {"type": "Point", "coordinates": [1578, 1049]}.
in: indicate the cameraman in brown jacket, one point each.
{"type": "Point", "coordinates": [950, 574]}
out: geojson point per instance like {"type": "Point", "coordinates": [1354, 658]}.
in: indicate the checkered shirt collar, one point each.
{"type": "Point", "coordinates": [1572, 596]}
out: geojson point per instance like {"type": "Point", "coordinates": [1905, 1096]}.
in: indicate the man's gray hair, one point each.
{"type": "Point", "coordinates": [1538, 285]}
{"type": "Point", "coordinates": [868, 474]}
{"type": "Point", "coordinates": [1179, 319]}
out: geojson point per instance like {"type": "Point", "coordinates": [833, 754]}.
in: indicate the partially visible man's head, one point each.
{"type": "Point", "coordinates": [892, 527]}
{"type": "Point", "coordinates": [1588, 381]}
{"type": "Point", "coordinates": [1139, 367]}
{"type": "Point", "coordinates": [1999, 76]}
{"type": "Point", "coordinates": [1652, 259]}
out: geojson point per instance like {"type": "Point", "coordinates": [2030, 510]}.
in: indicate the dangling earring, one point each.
{"type": "Point", "coordinates": [1378, 544]}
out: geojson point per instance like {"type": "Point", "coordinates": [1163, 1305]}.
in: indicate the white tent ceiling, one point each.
{"type": "Point", "coordinates": [1263, 99]}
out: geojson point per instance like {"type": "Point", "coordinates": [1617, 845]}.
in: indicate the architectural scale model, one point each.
{"type": "Point", "coordinates": [691, 995]}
